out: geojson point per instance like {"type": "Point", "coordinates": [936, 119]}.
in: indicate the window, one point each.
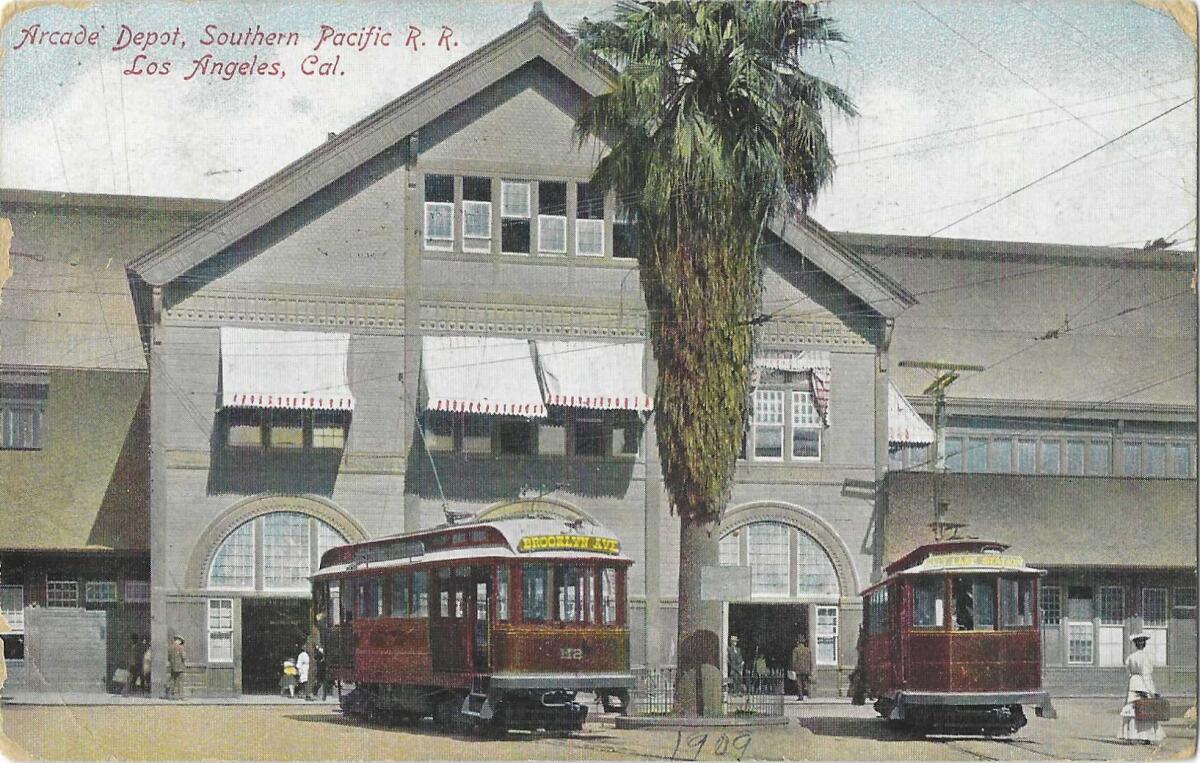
{"type": "Point", "coordinates": [420, 594]}
{"type": "Point", "coordinates": [515, 436]}
{"type": "Point", "coordinates": [627, 433]}
{"type": "Point", "coordinates": [439, 212]}
{"type": "Point", "coordinates": [514, 217]}
{"type": "Point", "coordinates": [476, 433]}
{"type": "Point", "coordinates": [574, 594]}
{"type": "Point", "coordinates": [401, 590]}
{"type": "Point", "coordinates": [1026, 456]}
{"type": "Point", "coordinates": [954, 459]}
{"type": "Point", "coordinates": [976, 455]}
{"type": "Point", "coordinates": [22, 411]}
{"type": "Point", "coordinates": [244, 428]}
{"type": "Point", "coordinates": [608, 595]}
{"type": "Point", "coordinates": [328, 429]}
{"type": "Point", "coordinates": [1185, 597]}
{"type": "Point", "coordinates": [1111, 649]}
{"type": "Point", "coordinates": [806, 427]}
{"type": "Point", "coordinates": [877, 611]}
{"type": "Point", "coordinates": [220, 630]}
{"type": "Point", "coordinates": [1154, 607]}
{"type": "Point", "coordinates": [592, 434]}
{"type": "Point", "coordinates": [347, 601]}
{"type": "Point", "coordinates": [12, 606]}
{"type": "Point", "coordinates": [552, 218]}
{"type": "Point", "coordinates": [1016, 602]}
{"type": "Point", "coordinates": [974, 607]}
{"type": "Point", "coordinates": [1181, 460]}
{"type": "Point", "coordinates": [826, 651]}
{"type": "Point", "coordinates": [284, 429]}
{"type": "Point", "coordinates": [768, 424]}
{"type": "Point", "coordinates": [477, 214]}
{"type": "Point", "coordinates": [589, 220]}
{"type": "Point", "coordinates": [1080, 644]}
{"type": "Point", "coordinates": [1156, 460]}
{"type": "Point", "coordinates": [624, 234]}
{"type": "Point", "coordinates": [769, 552]}
{"type": "Point", "coordinates": [438, 430]}
{"type": "Point", "coordinates": [1099, 458]}
{"type": "Point", "coordinates": [100, 592]}
{"type": "Point", "coordinates": [1075, 450]}
{"type": "Point", "coordinates": [928, 604]}
{"type": "Point", "coordinates": [814, 569]}
{"type": "Point", "coordinates": [534, 580]}
{"type": "Point", "coordinates": [502, 592]}
{"type": "Point", "coordinates": [1133, 459]}
{"type": "Point", "coordinates": [369, 597]}
{"type": "Point", "coordinates": [1049, 463]}
{"type": "Point", "coordinates": [1051, 605]}
{"type": "Point", "coordinates": [1000, 456]}
{"type": "Point", "coordinates": [62, 593]}
{"type": "Point", "coordinates": [335, 603]}
{"type": "Point", "coordinates": [286, 559]}
{"type": "Point", "coordinates": [444, 587]}
{"type": "Point", "coordinates": [729, 550]}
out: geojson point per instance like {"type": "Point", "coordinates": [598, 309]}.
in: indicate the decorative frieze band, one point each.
{"type": "Point", "coordinates": [379, 315]}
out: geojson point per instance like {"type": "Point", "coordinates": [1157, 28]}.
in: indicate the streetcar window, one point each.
{"type": "Point", "coordinates": [347, 602]}
{"type": "Point", "coordinates": [443, 593]}
{"type": "Point", "coordinates": [1016, 598]}
{"type": "Point", "coordinates": [928, 606]}
{"type": "Point", "coordinates": [419, 606]}
{"type": "Point", "coordinates": [533, 592]}
{"type": "Point", "coordinates": [502, 592]}
{"type": "Point", "coordinates": [459, 604]}
{"type": "Point", "coordinates": [974, 604]}
{"type": "Point", "coordinates": [574, 595]}
{"type": "Point", "coordinates": [608, 595]}
{"type": "Point", "coordinates": [334, 603]}
{"type": "Point", "coordinates": [370, 599]}
{"type": "Point", "coordinates": [400, 595]}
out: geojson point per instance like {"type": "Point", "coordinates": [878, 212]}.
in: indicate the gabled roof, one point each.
{"type": "Point", "coordinates": [536, 38]}
{"type": "Point", "coordinates": [1096, 330]}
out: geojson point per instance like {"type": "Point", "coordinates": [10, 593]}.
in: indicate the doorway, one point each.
{"type": "Point", "coordinates": [273, 630]}
{"type": "Point", "coordinates": [769, 631]}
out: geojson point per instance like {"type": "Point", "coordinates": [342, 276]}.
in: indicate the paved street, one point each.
{"type": "Point", "coordinates": [1085, 730]}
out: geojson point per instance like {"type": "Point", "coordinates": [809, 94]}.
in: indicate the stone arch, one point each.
{"type": "Point", "coordinates": [807, 522]}
{"type": "Point", "coordinates": [256, 506]}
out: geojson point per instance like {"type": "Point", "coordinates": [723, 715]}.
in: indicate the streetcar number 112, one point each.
{"type": "Point", "coordinates": [570, 653]}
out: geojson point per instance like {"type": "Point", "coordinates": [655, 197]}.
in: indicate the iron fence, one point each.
{"type": "Point", "coordinates": [751, 694]}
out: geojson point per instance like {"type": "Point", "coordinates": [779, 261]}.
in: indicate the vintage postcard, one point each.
{"type": "Point", "coordinates": [580, 379]}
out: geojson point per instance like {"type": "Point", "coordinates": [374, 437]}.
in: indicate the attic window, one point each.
{"type": "Point", "coordinates": [23, 411]}
{"type": "Point", "coordinates": [439, 212]}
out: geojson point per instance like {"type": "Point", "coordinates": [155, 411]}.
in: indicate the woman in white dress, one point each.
{"type": "Point", "coordinates": [1141, 684]}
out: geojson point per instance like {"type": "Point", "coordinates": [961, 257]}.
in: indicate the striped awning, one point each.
{"type": "Point", "coordinates": [815, 363]}
{"type": "Point", "coordinates": [480, 374]}
{"type": "Point", "coordinates": [595, 375]}
{"type": "Point", "coordinates": [905, 426]}
{"type": "Point", "coordinates": [261, 368]}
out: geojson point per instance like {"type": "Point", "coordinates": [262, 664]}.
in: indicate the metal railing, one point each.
{"type": "Point", "coordinates": [751, 694]}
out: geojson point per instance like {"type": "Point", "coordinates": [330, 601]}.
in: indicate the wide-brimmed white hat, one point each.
{"type": "Point", "coordinates": [1139, 637]}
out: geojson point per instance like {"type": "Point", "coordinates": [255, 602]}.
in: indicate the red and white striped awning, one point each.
{"type": "Point", "coordinates": [261, 368]}
{"type": "Point", "coordinates": [905, 426]}
{"type": "Point", "coordinates": [595, 375]}
{"type": "Point", "coordinates": [480, 374]}
{"type": "Point", "coordinates": [815, 363]}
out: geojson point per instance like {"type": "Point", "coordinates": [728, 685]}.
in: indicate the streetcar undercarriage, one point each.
{"type": "Point", "coordinates": [461, 710]}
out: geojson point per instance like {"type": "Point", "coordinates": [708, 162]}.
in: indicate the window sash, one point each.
{"type": "Point", "coordinates": [826, 632]}
{"type": "Point", "coordinates": [12, 606]}
{"type": "Point", "coordinates": [1112, 605]}
{"type": "Point", "coordinates": [1154, 607]}
{"type": "Point", "coordinates": [477, 226]}
{"type": "Point", "coordinates": [1050, 602]}
{"type": "Point", "coordinates": [552, 234]}
{"type": "Point", "coordinates": [515, 199]}
{"type": "Point", "coordinates": [769, 546]}
{"type": "Point", "coordinates": [62, 593]}
{"type": "Point", "coordinates": [21, 426]}
{"type": "Point", "coordinates": [589, 238]}
{"type": "Point", "coordinates": [1111, 646]}
{"type": "Point", "coordinates": [1080, 644]}
{"type": "Point", "coordinates": [100, 592]}
{"type": "Point", "coordinates": [439, 225]}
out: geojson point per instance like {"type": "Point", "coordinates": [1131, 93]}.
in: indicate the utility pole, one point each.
{"type": "Point", "coordinates": [945, 375]}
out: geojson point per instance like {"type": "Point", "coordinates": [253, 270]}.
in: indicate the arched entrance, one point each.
{"type": "Point", "coordinates": [801, 577]}
{"type": "Point", "coordinates": [255, 568]}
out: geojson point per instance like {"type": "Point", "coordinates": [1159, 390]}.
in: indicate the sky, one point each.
{"type": "Point", "coordinates": [961, 105]}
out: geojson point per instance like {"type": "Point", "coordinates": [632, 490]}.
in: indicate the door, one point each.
{"type": "Point", "coordinates": [481, 643]}
{"type": "Point", "coordinates": [273, 630]}
{"type": "Point", "coordinates": [450, 621]}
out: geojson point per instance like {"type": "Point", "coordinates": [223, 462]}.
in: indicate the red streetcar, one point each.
{"type": "Point", "coordinates": [494, 623]}
{"type": "Point", "coordinates": [952, 642]}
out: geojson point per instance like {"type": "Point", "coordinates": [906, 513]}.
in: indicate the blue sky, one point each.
{"type": "Point", "coordinates": [961, 104]}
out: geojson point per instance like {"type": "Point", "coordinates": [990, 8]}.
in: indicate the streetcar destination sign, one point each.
{"type": "Point", "coordinates": [1006, 561]}
{"type": "Point", "coordinates": [569, 543]}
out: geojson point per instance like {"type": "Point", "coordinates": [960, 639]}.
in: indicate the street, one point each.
{"type": "Point", "coordinates": [1084, 730]}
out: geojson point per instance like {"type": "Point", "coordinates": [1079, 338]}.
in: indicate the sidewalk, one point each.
{"type": "Point", "coordinates": [101, 698]}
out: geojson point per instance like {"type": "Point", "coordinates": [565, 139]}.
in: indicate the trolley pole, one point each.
{"type": "Point", "coordinates": [945, 375]}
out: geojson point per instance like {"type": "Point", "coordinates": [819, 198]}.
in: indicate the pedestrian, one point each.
{"type": "Point", "coordinates": [802, 665]}
{"type": "Point", "coordinates": [302, 665]}
{"type": "Point", "coordinates": [135, 665]}
{"type": "Point", "coordinates": [320, 673]}
{"type": "Point", "coordinates": [1140, 667]}
{"type": "Point", "coordinates": [735, 664]}
{"type": "Point", "coordinates": [146, 665]}
{"type": "Point", "coordinates": [287, 680]}
{"type": "Point", "coordinates": [176, 662]}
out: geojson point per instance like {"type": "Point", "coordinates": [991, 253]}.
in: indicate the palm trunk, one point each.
{"type": "Point", "coordinates": [698, 679]}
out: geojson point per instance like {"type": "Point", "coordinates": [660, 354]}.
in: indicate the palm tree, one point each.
{"type": "Point", "coordinates": [712, 126]}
